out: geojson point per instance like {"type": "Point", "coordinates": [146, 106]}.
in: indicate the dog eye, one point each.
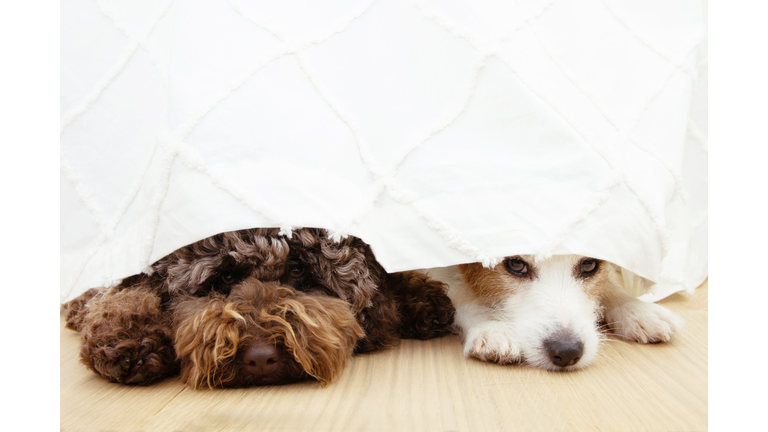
{"type": "Point", "coordinates": [127, 359]}
{"type": "Point", "coordinates": [227, 278]}
{"type": "Point", "coordinates": [588, 267]}
{"type": "Point", "coordinates": [297, 271]}
{"type": "Point", "coordinates": [516, 266]}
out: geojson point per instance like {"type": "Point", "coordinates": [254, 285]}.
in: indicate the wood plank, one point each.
{"type": "Point", "coordinates": [424, 385]}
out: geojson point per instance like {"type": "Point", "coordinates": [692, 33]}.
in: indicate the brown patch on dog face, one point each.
{"type": "Point", "coordinates": [315, 335]}
{"type": "Point", "coordinates": [496, 284]}
{"type": "Point", "coordinates": [594, 273]}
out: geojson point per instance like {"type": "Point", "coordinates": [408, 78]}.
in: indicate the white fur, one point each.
{"type": "Point", "coordinates": [514, 328]}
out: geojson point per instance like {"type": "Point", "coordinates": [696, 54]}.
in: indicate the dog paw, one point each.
{"type": "Point", "coordinates": [644, 322]}
{"type": "Point", "coordinates": [126, 337]}
{"type": "Point", "coordinates": [130, 361]}
{"type": "Point", "coordinates": [492, 343]}
{"type": "Point", "coordinates": [426, 311]}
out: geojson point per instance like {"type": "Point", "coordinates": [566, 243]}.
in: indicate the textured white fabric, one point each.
{"type": "Point", "coordinates": [440, 132]}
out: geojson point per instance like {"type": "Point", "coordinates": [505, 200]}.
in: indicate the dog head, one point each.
{"type": "Point", "coordinates": [252, 307]}
{"type": "Point", "coordinates": [263, 333]}
{"type": "Point", "coordinates": [551, 305]}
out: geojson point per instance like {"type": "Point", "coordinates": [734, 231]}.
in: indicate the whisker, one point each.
{"type": "Point", "coordinates": [604, 327]}
{"type": "Point", "coordinates": [620, 341]}
{"type": "Point", "coordinates": [602, 356]}
{"type": "Point", "coordinates": [618, 322]}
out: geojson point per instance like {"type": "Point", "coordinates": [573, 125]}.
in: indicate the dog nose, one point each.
{"type": "Point", "coordinates": [138, 378]}
{"type": "Point", "coordinates": [564, 352]}
{"type": "Point", "coordinates": [261, 359]}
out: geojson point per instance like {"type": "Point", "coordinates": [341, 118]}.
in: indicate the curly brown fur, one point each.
{"type": "Point", "coordinates": [427, 312]}
{"type": "Point", "coordinates": [314, 335]}
{"type": "Point", "coordinates": [302, 304]}
{"type": "Point", "coordinates": [125, 336]}
{"type": "Point", "coordinates": [76, 310]}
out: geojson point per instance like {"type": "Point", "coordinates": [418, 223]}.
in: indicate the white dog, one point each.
{"type": "Point", "coordinates": [548, 313]}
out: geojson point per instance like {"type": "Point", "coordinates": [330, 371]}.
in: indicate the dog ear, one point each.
{"type": "Point", "coordinates": [346, 269]}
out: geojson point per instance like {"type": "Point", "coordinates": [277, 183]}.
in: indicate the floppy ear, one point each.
{"type": "Point", "coordinates": [352, 271]}
{"type": "Point", "coordinates": [344, 269]}
{"type": "Point", "coordinates": [347, 269]}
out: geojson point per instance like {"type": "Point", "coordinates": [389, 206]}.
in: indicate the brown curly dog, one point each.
{"type": "Point", "coordinates": [254, 307]}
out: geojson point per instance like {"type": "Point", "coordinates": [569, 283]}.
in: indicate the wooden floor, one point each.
{"type": "Point", "coordinates": [424, 386]}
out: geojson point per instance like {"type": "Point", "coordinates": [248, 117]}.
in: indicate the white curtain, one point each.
{"type": "Point", "coordinates": [440, 132]}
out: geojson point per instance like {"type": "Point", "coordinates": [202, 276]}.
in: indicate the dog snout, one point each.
{"type": "Point", "coordinates": [261, 359]}
{"type": "Point", "coordinates": [136, 379]}
{"type": "Point", "coordinates": [564, 352]}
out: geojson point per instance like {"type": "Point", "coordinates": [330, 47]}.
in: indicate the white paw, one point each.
{"type": "Point", "coordinates": [644, 322]}
{"type": "Point", "coordinates": [492, 342]}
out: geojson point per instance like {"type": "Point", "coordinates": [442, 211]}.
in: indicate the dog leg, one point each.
{"type": "Point", "coordinates": [76, 310]}
{"type": "Point", "coordinates": [125, 336]}
{"type": "Point", "coordinates": [639, 321]}
{"type": "Point", "coordinates": [486, 333]}
{"type": "Point", "coordinates": [486, 337]}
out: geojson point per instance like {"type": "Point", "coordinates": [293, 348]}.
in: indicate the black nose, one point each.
{"type": "Point", "coordinates": [261, 359]}
{"type": "Point", "coordinates": [564, 352]}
